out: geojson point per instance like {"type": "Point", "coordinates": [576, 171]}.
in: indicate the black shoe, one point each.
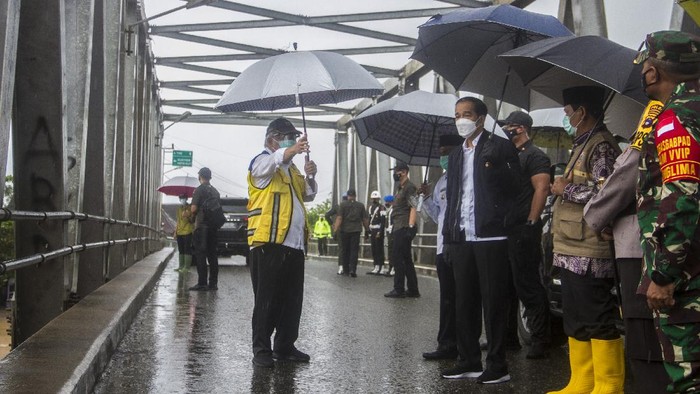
{"type": "Point", "coordinates": [441, 354]}
{"type": "Point", "coordinates": [537, 352]}
{"type": "Point", "coordinates": [295, 355]}
{"type": "Point", "coordinates": [213, 287]}
{"type": "Point", "coordinates": [462, 372]}
{"type": "Point", "coordinates": [263, 361]}
{"type": "Point", "coordinates": [413, 294]}
{"type": "Point", "coordinates": [489, 377]}
{"type": "Point", "coordinates": [353, 275]}
{"type": "Point", "coordinates": [395, 294]}
{"type": "Point", "coordinates": [199, 288]}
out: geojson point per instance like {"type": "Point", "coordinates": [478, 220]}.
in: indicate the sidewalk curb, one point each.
{"type": "Point", "coordinates": [70, 352]}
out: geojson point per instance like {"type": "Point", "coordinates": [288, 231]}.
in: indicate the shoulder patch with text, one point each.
{"type": "Point", "coordinates": [679, 152]}
{"type": "Point", "coordinates": [646, 122]}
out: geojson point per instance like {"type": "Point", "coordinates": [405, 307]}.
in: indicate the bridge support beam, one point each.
{"type": "Point", "coordinates": [39, 161]}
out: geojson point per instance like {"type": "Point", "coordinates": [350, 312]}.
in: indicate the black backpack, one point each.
{"type": "Point", "coordinates": [213, 213]}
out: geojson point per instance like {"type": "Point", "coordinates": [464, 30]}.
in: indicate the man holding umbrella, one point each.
{"type": "Point", "coordinates": [482, 182]}
{"type": "Point", "coordinates": [668, 202]}
{"type": "Point", "coordinates": [277, 234]}
{"type": "Point", "coordinates": [434, 208]}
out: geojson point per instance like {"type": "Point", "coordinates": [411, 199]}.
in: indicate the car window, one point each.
{"type": "Point", "coordinates": [234, 205]}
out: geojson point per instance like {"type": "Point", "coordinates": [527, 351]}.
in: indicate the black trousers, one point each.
{"type": "Point", "coordinates": [349, 249]}
{"type": "Point", "coordinates": [322, 246]}
{"type": "Point", "coordinates": [377, 243]}
{"type": "Point", "coordinates": [481, 271]}
{"type": "Point", "coordinates": [403, 262]}
{"type": "Point", "coordinates": [277, 273]}
{"type": "Point", "coordinates": [641, 342]}
{"type": "Point", "coordinates": [184, 244]}
{"type": "Point", "coordinates": [589, 307]}
{"type": "Point", "coordinates": [205, 250]}
{"type": "Point", "coordinates": [447, 334]}
{"type": "Point", "coordinates": [525, 255]}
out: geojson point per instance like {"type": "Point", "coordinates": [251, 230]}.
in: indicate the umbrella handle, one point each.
{"type": "Point", "coordinates": [303, 121]}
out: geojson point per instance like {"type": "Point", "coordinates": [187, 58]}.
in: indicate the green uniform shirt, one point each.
{"type": "Point", "coordinates": [668, 194]}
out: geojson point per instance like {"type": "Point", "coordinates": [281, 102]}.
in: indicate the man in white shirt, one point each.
{"type": "Point", "coordinates": [434, 208]}
{"type": "Point", "coordinates": [277, 235]}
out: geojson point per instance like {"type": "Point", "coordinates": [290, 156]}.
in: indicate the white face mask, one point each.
{"type": "Point", "coordinates": [465, 127]}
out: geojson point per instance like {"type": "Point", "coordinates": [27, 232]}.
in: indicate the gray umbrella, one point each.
{"type": "Point", "coordinates": [408, 127]}
{"type": "Point", "coordinates": [298, 79]}
{"type": "Point", "coordinates": [552, 65]}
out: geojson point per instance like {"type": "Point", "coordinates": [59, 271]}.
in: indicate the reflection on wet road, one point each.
{"type": "Point", "coordinates": [359, 341]}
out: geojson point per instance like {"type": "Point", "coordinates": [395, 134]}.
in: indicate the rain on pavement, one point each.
{"type": "Point", "coordinates": [359, 341]}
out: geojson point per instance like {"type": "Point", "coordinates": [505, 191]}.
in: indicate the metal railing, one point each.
{"type": "Point", "coordinates": [14, 264]}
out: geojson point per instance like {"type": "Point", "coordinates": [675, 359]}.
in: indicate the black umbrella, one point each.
{"type": "Point", "coordinates": [552, 65]}
{"type": "Point", "coordinates": [463, 45]}
{"type": "Point", "coordinates": [408, 127]}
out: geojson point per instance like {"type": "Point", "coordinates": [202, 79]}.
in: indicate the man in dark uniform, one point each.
{"type": "Point", "coordinates": [204, 238]}
{"type": "Point", "coordinates": [352, 216]}
{"type": "Point", "coordinates": [525, 238]}
{"type": "Point", "coordinates": [668, 202]}
{"type": "Point", "coordinates": [612, 213]}
{"type": "Point", "coordinates": [403, 218]}
{"type": "Point", "coordinates": [377, 225]}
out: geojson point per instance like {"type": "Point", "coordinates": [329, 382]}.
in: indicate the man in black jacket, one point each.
{"type": "Point", "coordinates": [481, 187]}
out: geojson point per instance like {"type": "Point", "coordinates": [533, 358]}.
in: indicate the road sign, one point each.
{"type": "Point", "coordinates": [182, 158]}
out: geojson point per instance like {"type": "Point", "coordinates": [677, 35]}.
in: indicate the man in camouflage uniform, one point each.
{"type": "Point", "coordinates": [668, 202]}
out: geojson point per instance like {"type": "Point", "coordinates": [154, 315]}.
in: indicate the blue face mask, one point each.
{"type": "Point", "coordinates": [286, 143]}
{"type": "Point", "coordinates": [443, 162]}
{"type": "Point", "coordinates": [568, 127]}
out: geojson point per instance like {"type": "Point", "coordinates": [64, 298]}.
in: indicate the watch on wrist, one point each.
{"type": "Point", "coordinates": [530, 222]}
{"type": "Point", "coordinates": [661, 278]}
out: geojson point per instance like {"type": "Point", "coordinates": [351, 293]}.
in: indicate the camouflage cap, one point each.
{"type": "Point", "coordinates": [670, 46]}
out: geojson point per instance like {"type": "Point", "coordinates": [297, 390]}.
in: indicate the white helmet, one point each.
{"type": "Point", "coordinates": [375, 194]}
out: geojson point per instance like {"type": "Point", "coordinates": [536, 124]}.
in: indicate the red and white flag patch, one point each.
{"type": "Point", "coordinates": [679, 152]}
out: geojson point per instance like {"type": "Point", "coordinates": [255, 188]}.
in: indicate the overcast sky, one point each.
{"type": "Point", "coordinates": [227, 150]}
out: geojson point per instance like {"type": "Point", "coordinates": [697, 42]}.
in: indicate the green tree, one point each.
{"type": "Point", "coordinates": [318, 210]}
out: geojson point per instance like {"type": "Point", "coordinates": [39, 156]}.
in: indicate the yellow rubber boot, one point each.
{"type": "Point", "coordinates": [581, 362]}
{"type": "Point", "coordinates": [608, 366]}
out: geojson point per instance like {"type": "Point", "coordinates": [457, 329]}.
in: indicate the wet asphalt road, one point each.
{"type": "Point", "coordinates": [359, 341]}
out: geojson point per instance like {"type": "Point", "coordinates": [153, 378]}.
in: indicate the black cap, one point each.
{"type": "Point", "coordinates": [451, 140]}
{"type": "Point", "coordinates": [517, 117]}
{"type": "Point", "coordinates": [400, 165]}
{"type": "Point", "coordinates": [351, 193]}
{"type": "Point", "coordinates": [282, 126]}
{"type": "Point", "coordinates": [591, 95]}
{"type": "Point", "coordinates": [205, 173]}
